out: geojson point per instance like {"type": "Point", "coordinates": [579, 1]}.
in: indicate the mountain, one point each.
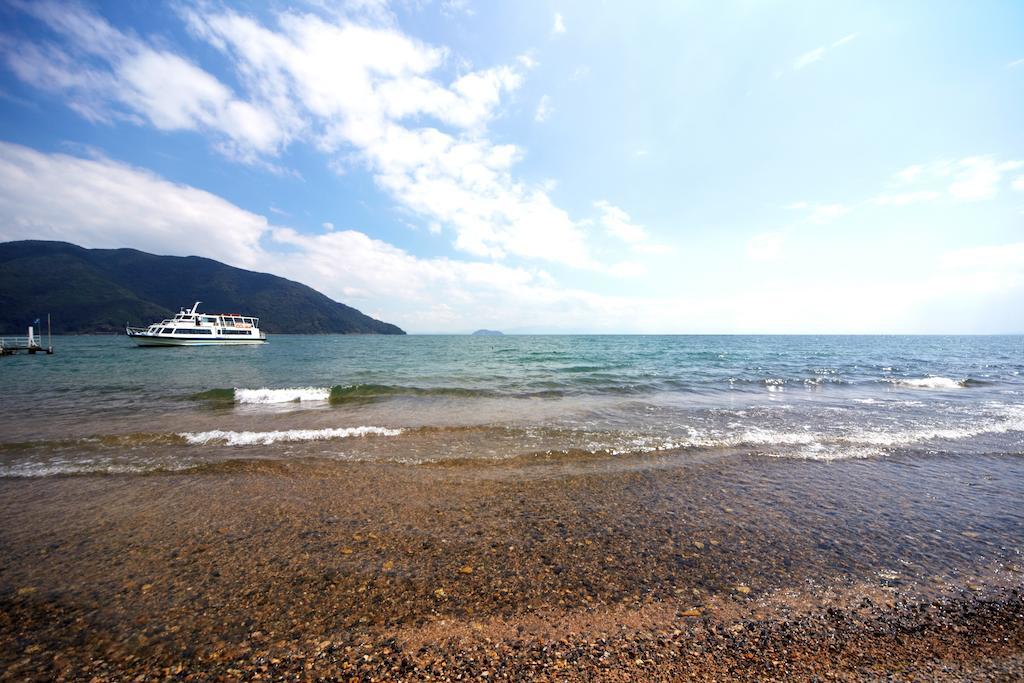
{"type": "Point", "coordinates": [98, 290]}
{"type": "Point", "coordinates": [487, 333]}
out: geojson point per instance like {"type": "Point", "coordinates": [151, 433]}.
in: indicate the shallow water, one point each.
{"type": "Point", "coordinates": [245, 504]}
{"type": "Point", "coordinates": [103, 405]}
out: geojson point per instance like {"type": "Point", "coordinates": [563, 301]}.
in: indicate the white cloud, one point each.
{"type": "Point", "coordinates": [527, 61]}
{"type": "Point", "coordinates": [327, 225]}
{"type": "Point", "coordinates": [558, 24]}
{"type": "Point", "coordinates": [1015, 63]}
{"type": "Point", "coordinates": [812, 56]}
{"type": "Point", "coordinates": [370, 11]}
{"type": "Point", "coordinates": [845, 39]}
{"type": "Point", "coordinates": [365, 95]}
{"type": "Point", "coordinates": [108, 75]}
{"type": "Point", "coordinates": [453, 7]}
{"type": "Point", "coordinates": [618, 224]}
{"type": "Point", "coordinates": [970, 179]}
{"type": "Point", "coordinates": [978, 178]}
{"type": "Point", "coordinates": [386, 272]}
{"type": "Point", "coordinates": [910, 173]}
{"type": "Point", "coordinates": [102, 203]}
{"type": "Point", "coordinates": [374, 106]}
{"type": "Point", "coordinates": [766, 246]}
{"type": "Point", "coordinates": [808, 58]}
{"type": "Point", "coordinates": [543, 110]}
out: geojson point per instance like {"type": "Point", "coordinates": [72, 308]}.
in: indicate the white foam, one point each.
{"type": "Point", "coordinates": [229, 438]}
{"type": "Point", "coordinates": [930, 383]}
{"type": "Point", "coordinates": [62, 466]}
{"type": "Point", "coordinates": [764, 437]}
{"type": "Point", "coordinates": [819, 451]}
{"type": "Point", "coordinates": [864, 444]}
{"type": "Point", "coordinates": [290, 395]}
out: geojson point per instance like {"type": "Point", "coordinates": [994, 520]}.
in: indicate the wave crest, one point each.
{"type": "Point", "coordinates": [931, 383]}
{"type": "Point", "coordinates": [289, 395]}
{"type": "Point", "coordinates": [230, 438]}
{"type": "Point", "coordinates": [340, 393]}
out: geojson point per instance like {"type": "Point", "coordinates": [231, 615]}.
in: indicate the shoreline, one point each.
{"type": "Point", "coordinates": [704, 569]}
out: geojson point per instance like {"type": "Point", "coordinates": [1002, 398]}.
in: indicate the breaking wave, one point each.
{"type": "Point", "coordinates": [341, 394]}
{"type": "Point", "coordinates": [291, 395]}
{"type": "Point", "coordinates": [335, 394]}
{"type": "Point", "coordinates": [230, 438]}
{"type": "Point", "coordinates": [931, 383]}
{"type": "Point", "coordinates": [448, 445]}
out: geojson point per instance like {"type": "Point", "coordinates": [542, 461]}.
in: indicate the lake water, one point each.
{"type": "Point", "coordinates": [102, 405]}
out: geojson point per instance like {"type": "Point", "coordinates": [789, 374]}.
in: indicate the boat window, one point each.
{"type": "Point", "coordinates": [193, 330]}
{"type": "Point", "coordinates": [245, 332]}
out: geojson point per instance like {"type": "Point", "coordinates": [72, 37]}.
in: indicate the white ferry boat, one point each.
{"type": "Point", "coordinates": [192, 328]}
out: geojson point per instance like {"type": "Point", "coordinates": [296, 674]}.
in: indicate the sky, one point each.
{"type": "Point", "coordinates": [538, 166]}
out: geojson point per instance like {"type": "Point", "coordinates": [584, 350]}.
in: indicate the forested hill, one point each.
{"type": "Point", "coordinates": [98, 290]}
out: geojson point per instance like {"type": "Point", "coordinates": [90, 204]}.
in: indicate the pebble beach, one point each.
{"type": "Point", "coordinates": [565, 571]}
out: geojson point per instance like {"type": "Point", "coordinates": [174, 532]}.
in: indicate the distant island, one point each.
{"type": "Point", "coordinates": [93, 291]}
{"type": "Point", "coordinates": [488, 333]}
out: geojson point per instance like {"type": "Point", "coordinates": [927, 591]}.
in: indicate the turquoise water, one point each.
{"type": "Point", "coordinates": [100, 404]}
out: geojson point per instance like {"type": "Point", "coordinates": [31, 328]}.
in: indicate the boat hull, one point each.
{"type": "Point", "coordinates": [170, 341]}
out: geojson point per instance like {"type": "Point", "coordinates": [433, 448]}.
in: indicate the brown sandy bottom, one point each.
{"type": "Point", "coordinates": [667, 568]}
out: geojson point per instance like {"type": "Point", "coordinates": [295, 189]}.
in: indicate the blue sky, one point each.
{"type": "Point", "coordinates": [663, 167]}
